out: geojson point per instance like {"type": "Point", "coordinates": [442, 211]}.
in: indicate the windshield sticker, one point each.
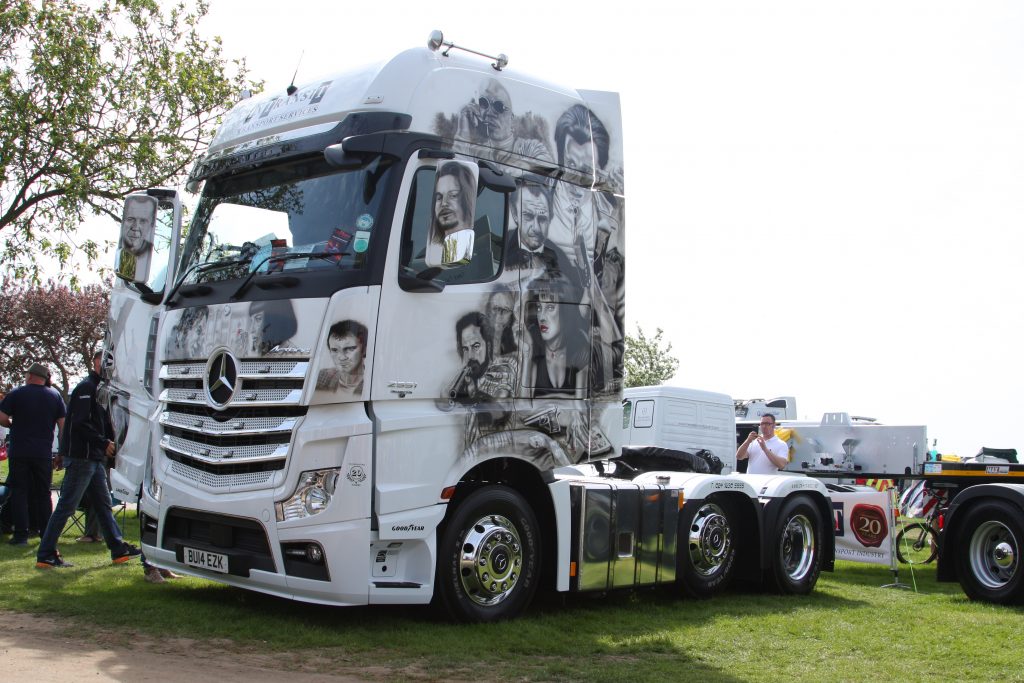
{"type": "Point", "coordinates": [362, 242]}
{"type": "Point", "coordinates": [364, 222]}
{"type": "Point", "coordinates": [279, 247]}
{"type": "Point", "coordinates": [338, 244]}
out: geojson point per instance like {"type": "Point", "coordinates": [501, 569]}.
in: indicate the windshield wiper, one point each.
{"type": "Point", "coordinates": [284, 257]}
{"type": "Point", "coordinates": [204, 268]}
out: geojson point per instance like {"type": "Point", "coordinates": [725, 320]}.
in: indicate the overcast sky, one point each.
{"type": "Point", "coordinates": [824, 199]}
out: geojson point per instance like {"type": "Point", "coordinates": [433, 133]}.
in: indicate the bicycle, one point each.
{"type": "Point", "coordinates": [918, 542]}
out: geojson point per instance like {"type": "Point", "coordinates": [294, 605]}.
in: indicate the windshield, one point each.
{"type": "Point", "coordinates": [296, 217]}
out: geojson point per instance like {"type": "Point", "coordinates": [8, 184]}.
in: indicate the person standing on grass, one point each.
{"type": "Point", "coordinates": [31, 412]}
{"type": "Point", "coordinates": [90, 442]}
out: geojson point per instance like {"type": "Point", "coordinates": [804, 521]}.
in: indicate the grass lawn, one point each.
{"type": "Point", "coordinates": [849, 629]}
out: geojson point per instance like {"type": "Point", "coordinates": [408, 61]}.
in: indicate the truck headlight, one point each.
{"type": "Point", "coordinates": [312, 495]}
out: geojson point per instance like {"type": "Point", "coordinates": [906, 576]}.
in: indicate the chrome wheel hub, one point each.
{"type": "Point", "coordinates": [710, 539]}
{"type": "Point", "coordinates": [797, 547]}
{"type": "Point", "coordinates": [491, 560]}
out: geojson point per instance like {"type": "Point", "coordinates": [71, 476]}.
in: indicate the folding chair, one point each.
{"type": "Point", "coordinates": [120, 510]}
{"type": "Point", "coordinates": [76, 522]}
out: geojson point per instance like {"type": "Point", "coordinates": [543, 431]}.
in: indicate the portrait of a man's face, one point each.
{"type": "Point", "coordinates": [495, 112]}
{"type": "Point", "coordinates": [346, 349]}
{"type": "Point", "coordinates": [346, 352]}
{"type": "Point", "coordinates": [454, 198]}
{"type": "Point", "coordinates": [536, 217]}
{"type": "Point", "coordinates": [137, 224]}
{"type": "Point", "coordinates": [473, 349]}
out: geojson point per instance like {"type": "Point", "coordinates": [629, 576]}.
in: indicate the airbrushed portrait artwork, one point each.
{"type": "Point", "coordinates": [263, 328]}
{"type": "Point", "coordinates": [137, 226]}
{"type": "Point", "coordinates": [454, 205]}
{"type": "Point", "coordinates": [343, 376]}
{"type": "Point", "coordinates": [538, 363]}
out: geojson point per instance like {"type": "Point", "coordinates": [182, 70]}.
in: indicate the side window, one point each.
{"type": "Point", "coordinates": [627, 413]}
{"type": "Point", "coordinates": [489, 224]}
{"type": "Point", "coordinates": [643, 414]}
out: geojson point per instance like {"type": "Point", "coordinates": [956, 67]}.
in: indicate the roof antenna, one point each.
{"type": "Point", "coordinates": [291, 90]}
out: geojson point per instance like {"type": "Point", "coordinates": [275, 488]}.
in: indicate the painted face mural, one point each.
{"type": "Point", "coordinates": [548, 332]}
{"type": "Point", "coordinates": [501, 311]}
{"type": "Point", "coordinates": [578, 156]}
{"type": "Point", "coordinates": [547, 322]}
{"type": "Point", "coordinates": [137, 224]}
{"type": "Point", "coordinates": [188, 338]}
{"type": "Point", "coordinates": [448, 204]}
{"type": "Point", "coordinates": [494, 113]}
{"type": "Point", "coordinates": [346, 348]}
{"type": "Point", "coordinates": [473, 347]}
{"type": "Point", "coordinates": [536, 215]}
{"type": "Point", "coordinates": [346, 352]}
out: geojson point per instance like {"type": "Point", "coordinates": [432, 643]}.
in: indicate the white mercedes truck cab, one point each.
{"type": "Point", "coordinates": [383, 364]}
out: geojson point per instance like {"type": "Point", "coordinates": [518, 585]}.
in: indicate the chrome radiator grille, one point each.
{"type": "Point", "coordinates": [244, 443]}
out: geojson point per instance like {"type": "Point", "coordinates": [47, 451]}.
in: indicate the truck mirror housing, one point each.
{"type": "Point", "coordinates": [451, 237]}
{"type": "Point", "coordinates": [337, 157]}
{"type": "Point", "coordinates": [135, 246]}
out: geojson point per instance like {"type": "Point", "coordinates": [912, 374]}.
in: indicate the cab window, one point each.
{"type": "Point", "coordinates": [489, 225]}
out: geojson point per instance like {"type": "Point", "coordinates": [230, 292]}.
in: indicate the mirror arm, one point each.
{"type": "Point", "coordinates": [495, 179]}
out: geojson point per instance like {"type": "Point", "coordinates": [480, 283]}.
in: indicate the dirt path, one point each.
{"type": "Point", "coordinates": [36, 648]}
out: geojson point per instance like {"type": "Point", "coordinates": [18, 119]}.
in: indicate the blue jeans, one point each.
{"type": "Point", "coordinates": [81, 476]}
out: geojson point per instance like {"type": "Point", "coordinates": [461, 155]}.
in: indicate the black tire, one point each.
{"type": "Point", "coordinates": [917, 543]}
{"type": "Point", "coordinates": [987, 553]}
{"type": "Point", "coordinates": [708, 540]}
{"type": "Point", "coordinates": [488, 557]}
{"type": "Point", "coordinates": [796, 547]}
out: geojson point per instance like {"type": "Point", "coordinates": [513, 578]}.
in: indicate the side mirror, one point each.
{"type": "Point", "coordinates": [451, 235]}
{"type": "Point", "coordinates": [457, 249]}
{"type": "Point", "coordinates": [135, 247]}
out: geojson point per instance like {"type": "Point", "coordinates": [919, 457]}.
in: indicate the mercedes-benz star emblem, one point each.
{"type": "Point", "coordinates": [221, 378]}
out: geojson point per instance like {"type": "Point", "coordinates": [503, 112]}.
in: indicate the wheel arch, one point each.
{"type": "Point", "coordinates": [528, 481]}
{"type": "Point", "coordinates": [749, 533]}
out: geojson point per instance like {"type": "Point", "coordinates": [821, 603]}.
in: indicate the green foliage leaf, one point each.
{"type": "Point", "coordinates": [99, 100]}
{"type": "Point", "coordinates": [646, 362]}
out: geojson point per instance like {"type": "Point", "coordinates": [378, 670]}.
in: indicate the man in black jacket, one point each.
{"type": "Point", "coordinates": [90, 441]}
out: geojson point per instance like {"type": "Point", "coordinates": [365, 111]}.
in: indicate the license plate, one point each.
{"type": "Point", "coordinates": [204, 559]}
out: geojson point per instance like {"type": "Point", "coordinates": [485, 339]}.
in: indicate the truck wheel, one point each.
{"type": "Point", "coordinates": [988, 553]}
{"type": "Point", "coordinates": [488, 557]}
{"type": "Point", "coordinates": [796, 547]}
{"type": "Point", "coordinates": [707, 548]}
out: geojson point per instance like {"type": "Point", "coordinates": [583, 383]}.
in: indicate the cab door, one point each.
{"type": "Point", "coordinates": [130, 351]}
{"type": "Point", "coordinates": [438, 384]}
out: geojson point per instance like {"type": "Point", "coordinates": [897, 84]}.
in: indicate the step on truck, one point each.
{"type": "Point", "coordinates": [384, 363]}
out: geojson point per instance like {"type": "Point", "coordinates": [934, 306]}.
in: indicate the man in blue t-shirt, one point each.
{"type": "Point", "coordinates": [32, 412]}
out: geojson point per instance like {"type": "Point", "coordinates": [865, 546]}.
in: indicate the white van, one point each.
{"type": "Point", "coordinates": [681, 419]}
